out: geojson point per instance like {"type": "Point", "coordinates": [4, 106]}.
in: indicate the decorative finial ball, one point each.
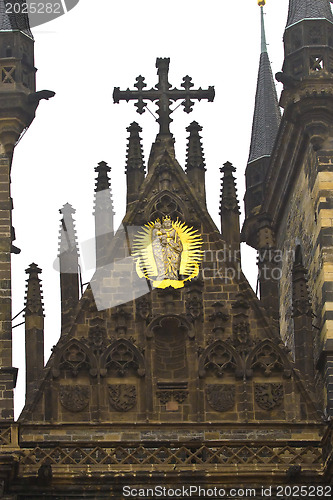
{"type": "Point", "coordinates": [261, 3]}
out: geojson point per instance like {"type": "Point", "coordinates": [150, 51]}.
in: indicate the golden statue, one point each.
{"type": "Point", "coordinates": [167, 253]}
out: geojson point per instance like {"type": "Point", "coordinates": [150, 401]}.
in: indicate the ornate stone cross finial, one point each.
{"type": "Point", "coordinates": [163, 94]}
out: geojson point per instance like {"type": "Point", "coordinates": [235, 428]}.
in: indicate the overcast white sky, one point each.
{"type": "Point", "coordinates": [82, 56]}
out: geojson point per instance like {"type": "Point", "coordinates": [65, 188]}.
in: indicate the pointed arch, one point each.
{"type": "Point", "coordinates": [268, 357]}
{"type": "Point", "coordinates": [219, 357]}
{"type": "Point", "coordinates": [166, 321]}
{"type": "Point", "coordinates": [74, 356]}
{"type": "Point", "coordinates": [122, 357]}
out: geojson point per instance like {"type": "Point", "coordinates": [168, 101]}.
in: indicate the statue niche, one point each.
{"type": "Point", "coordinates": [168, 253]}
{"type": "Point", "coordinates": [167, 250]}
{"type": "Point", "coordinates": [170, 356]}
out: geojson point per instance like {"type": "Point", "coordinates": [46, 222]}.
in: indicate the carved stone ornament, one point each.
{"type": "Point", "coordinates": [268, 396]}
{"type": "Point", "coordinates": [302, 307]}
{"type": "Point", "coordinates": [164, 396]}
{"type": "Point", "coordinates": [121, 317]}
{"type": "Point", "coordinates": [221, 397]}
{"type": "Point", "coordinates": [123, 357]}
{"type": "Point", "coordinates": [241, 331]}
{"type": "Point", "coordinates": [143, 308]}
{"type": "Point", "coordinates": [217, 358]}
{"type": "Point", "coordinates": [268, 359]}
{"type": "Point", "coordinates": [177, 395]}
{"type": "Point", "coordinates": [75, 359]}
{"type": "Point", "coordinates": [97, 336]}
{"type": "Point", "coordinates": [74, 398]}
{"type": "Point", "coordinates": [240, 302]}
{"type": "Point", "coordinates": [122, 397]}
{"type": "Point", "coordinates": [219, 317]}
{"type": "Point", "coordinates": [73, 356]}
{"type": "Point", "coordinates": [180, 396]}
{"type": "Point", "coordinates": [168, 253]}
{"type": "Point", "coordinates": [194, 308]}
{"type": "Point", "coordinates": [166, 205]}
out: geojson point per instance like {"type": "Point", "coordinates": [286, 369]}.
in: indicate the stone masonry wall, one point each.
{"type": "Point", "coordinates": [6, 372]}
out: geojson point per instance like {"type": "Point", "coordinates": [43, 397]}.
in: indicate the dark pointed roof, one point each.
{"type": "Point", "coordinates": [266, 118]}
{"type": "Point", "coordinates": [308, 9]}
{"type": "Point", "coordinates": [14, 22]}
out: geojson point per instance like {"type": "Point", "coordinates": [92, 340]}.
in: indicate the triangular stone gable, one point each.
{"type": "Point", "coordinates": [166, 176]}
{"type": "Point", "coordinates": [205, 352]}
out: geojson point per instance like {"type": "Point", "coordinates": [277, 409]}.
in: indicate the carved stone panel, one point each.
{"type": "Point", "coordinates": [74, 356]}
{"type": "Point", "coordinates": [267, 358]}
{"type": "Point", "coordinates": [121, 358]}
{"type": "Point", "coordinates": [219, 318]}
{"type": "Point", "coordinates": [218, 358]}
{"type": "Point", "coordinates": [268, 396]}
{"type": "Point", "coordinates": [97, 335]}
{"type": "Point", "coordinates": [74, 398]}
{"type": "Point", "coordinates": [166, 395]}
{"type": "Point", "coordinates": [143, 309]}
{"type": "Point", "coordinates": [221, 397]}
{"type": "Point", "coordinates": [122, 397]}
{"type": "Point", "coordinates": [194, 307]}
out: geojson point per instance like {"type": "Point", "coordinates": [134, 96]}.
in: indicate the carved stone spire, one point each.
{"type": "Point", "coordinates": [229, 200]}
{"type": "Point", "coordinates": [229, 210]}
{"type": "Point", "coordinates": [34, 330]}
{"type": "Point", "coordinates": [103, 212]}
{"type": "Point", "coordinates": [69, 265]}
{"type": "Point", "coordinates": [266, 121]}
{"type": "Point", "coordinates": [195, 161]}
{"type": "Point", "coordinates": [302, 315]}
{"type": "Point", "coordinates": [34, 296]}
{"type": "Point", "coordinates": [135, 168]}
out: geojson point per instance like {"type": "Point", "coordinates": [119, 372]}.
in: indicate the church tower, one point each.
{"type": "Point", "coordinates": [17, 82]}
{"type": "Point", "coordinates": [298, 183]}
{"type": "Point", "coordinates": [18, 103]}
{"type": "Point", "coordinates": [257, 230]}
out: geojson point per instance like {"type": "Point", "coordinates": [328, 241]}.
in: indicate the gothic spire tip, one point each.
{"type": "Point", "coordinates": [33, 268]}
{"type": "Point", "coordinates": [67, 209]}
{"type": "Point", "coordinates": [263, 34]}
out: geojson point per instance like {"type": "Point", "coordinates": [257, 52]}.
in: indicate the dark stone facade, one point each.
{"type": "Point", "coordinates": [202, 384]}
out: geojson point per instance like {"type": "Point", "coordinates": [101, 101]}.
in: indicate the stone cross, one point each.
{"type": "Point", "coordinates": [163, 94]}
